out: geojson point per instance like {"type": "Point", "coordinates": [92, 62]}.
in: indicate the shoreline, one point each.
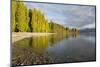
{"type": "Point", "coordinates": [16, 36]}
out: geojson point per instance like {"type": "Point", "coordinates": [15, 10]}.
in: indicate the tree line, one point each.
{"type": "Point", "coordinates": [32, 20]}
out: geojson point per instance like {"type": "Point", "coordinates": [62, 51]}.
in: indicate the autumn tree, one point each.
{"type": "Point", "coordinates": [34, 20]}
{"type": "Point", "coordinates": [14, 6]}
{"type": "Point", "coordinates": [21, 17]}
{"type": "Point", "coordinates": [38, 21]}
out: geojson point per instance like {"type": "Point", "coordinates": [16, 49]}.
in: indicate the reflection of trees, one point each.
{"type": "Point", "coordinates": [56, 38]}
{"type": "Point", "coordinates": [33, 50]}
{"type": "Point", "coordinates": [59, 37]}
{"type": "Point", "coordinates": [39, 44]}
{"type": "Point", "coordinates": [74, 35]}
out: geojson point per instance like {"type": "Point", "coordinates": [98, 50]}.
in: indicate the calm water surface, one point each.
{"type": "Point", "coordinates": [56, 48]}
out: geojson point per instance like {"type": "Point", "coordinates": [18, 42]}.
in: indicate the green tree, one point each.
{"type": "Point", "coordinates": [30, 19]}
{"type": "Point", "coordinates": [14, 6]}
{"type": "Point", "coordinates": [33, 20]}
{"type": "Point", "coordinates": [38, 21]}
{"type": "Point", "coordinates": [21, 17]}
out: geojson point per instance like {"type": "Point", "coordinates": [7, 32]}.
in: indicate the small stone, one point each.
{"type": "Point", "coordinates": [34, 63]}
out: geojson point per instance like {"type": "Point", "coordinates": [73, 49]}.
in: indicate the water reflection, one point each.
{"type": "Point", "coordinates": [44, 49]}
{"type": "Point", "coordinates": [39, 44]}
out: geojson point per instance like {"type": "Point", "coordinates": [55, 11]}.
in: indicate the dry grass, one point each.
{"type": "Point", "coordinates": [20, 35]}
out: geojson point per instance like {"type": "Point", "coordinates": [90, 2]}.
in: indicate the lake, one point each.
{"type": "Point", "coordinates": [55, 48]}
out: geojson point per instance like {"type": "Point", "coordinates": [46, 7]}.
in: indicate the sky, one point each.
{"type": "Point", "coordinates": [72, 16]}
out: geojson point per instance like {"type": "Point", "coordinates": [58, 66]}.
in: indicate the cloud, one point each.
{"type": "Point", "coordinates": [89, 26]}
{"type": "Point", "coordinates": [67, 15]}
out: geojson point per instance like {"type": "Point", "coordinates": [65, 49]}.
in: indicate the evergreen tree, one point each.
{"type": "Point", "coordinates": [30, 19]}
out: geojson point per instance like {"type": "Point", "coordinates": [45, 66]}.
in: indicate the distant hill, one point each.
{"type": "Point", "coordinates": [88, 30]}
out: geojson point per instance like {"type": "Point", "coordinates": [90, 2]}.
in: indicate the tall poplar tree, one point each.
{"type": "Point", "coordinates": [21, 21]}
{"type": "Point", "coordinates": [14, 6]}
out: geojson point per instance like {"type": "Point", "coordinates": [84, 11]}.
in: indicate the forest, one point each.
{"type": "Point", "coordinates": [33, 20]}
